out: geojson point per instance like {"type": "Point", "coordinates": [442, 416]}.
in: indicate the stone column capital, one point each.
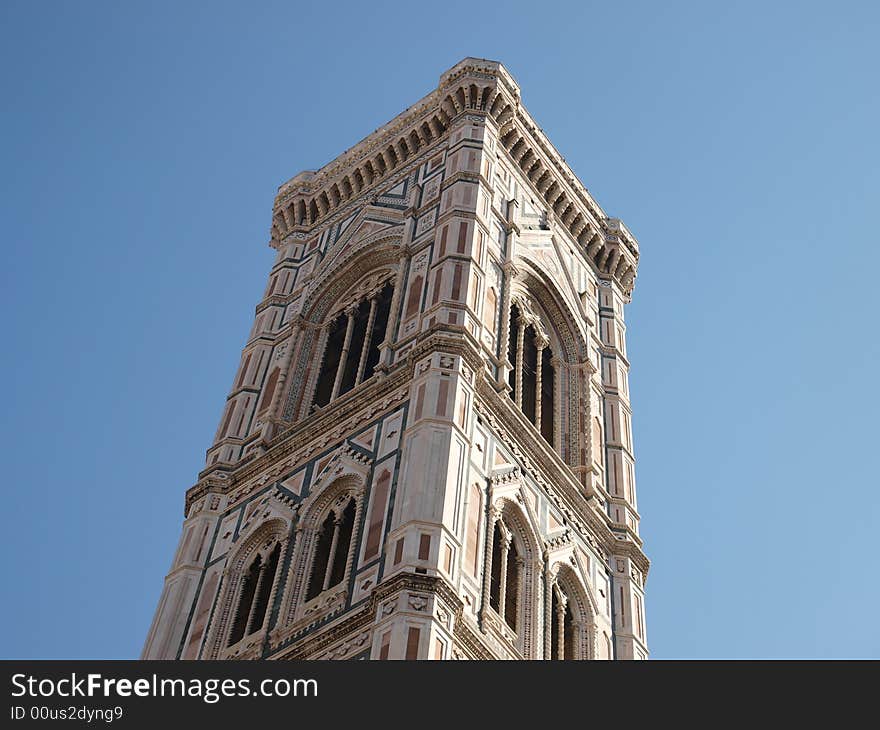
{"type": "Point", "coordinates": [509, 268]}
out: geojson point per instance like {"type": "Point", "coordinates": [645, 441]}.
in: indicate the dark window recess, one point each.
{"type": "Point", "coordinates": [265, 590]}
{"type": "Point", "coordinates": [561, 623]}
{"type": "Point", "coordinates": [512, 346]}
{"type": "Point", "coordinates": [322, 556]}
{"type": "Point", "coordinates": [568, 630]}
{"type": "Point", "coordinates": [341, 558]}
{"type": "Point", "coordinates": [532, 390]}
{"type": "Point", "coordinates": [383, 311]}
{"type": "Point", "coordinates": [511, 589]}
{"type": "Point", "coordinates": [554, 627]}
{"type": "Point", "coordinates": [363, 352]}
{"type": "Point", "coordinates": [331, 552]}
{"type": "Point", "coordinates": [358, 335]}
{"type": "Point", "coordinates": [495, 579]}
{"type": "Point", "coordinates": [246, 599]}
{"type": "Point", "coordinates": [548, 383]}
{"type": "Point", "coordinates": [330, 363]}
{"type": "Point", "coordinates": [530, 374]}
{"type": "Point", "coordinates": [505, 577]}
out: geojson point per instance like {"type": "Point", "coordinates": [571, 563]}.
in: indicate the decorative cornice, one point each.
{"type": "Point", "coordinates": [485, 90]}
{"type": "Point", "coordinates": [330, 425]}
{"type": "Point", "coordinates": [321, 638]}
{"type": "Point", "coordinates": [318, 432]}
{"type": "Point", "coordinates": [607, 244]}
{"type": "Point", "coordinates": [307, 198]}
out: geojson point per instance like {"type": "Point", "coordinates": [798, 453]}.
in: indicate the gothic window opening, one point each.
{"type": "Point", "coordinates": [562, 635]}
{"type": "Point", "coordinates": [264, 591]}
{"type": "Point", "coordinates": [358, 338]}
{"type": "Point", "coordinates": [504, 585]}
{"type": "Point", "coordinates": [322, 556]}
{"type": "Point", "coordinates": [330, 363]}
{"type": "Point", "coordinates": [512, 349]}
{"type": "Point", "coordinates": [547, 400]}
{"type": "Point", "coordinates": [529, 375]}
{"type": "Point", "coordinates": [245, 601]}
{"type": "Point", "coordinates": [495, 579]}
{"type": "Point", "coordinates": [563, 628]}
{"type": "Point", "coordinates": [511, 586]}
{"type": "Point", "coordinates": [383, 312]}
{"type": "Point", "coordinates": [353, 343]}
{"type": "Point", "coordinates": [331, 552]}
{"type": "Point", "coordinates": [532, 374]}
{"type": "Point", "coordinates": [256, 592]}
{"type": "Point", "coordinates": [340, 557]}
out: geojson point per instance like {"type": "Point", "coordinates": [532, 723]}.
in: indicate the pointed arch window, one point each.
{"type": "Point", "coordinates": [324, 550]}
{"type": "Point", "coordinates": [532, 373]}
{"type": "Point", "coordinates": [562, 633]}
{"type": "Point", "coordinates": [510, 579]}
{"type": "Point", "coordinates": [255, 594]}
{"type": "Point", "coordinates": [504, 586]}
{"type": "Point", "coordinates": [332, 549]}
{"type": "Point", "coordinates": [352, 345]}
{"type": "Point", "coordinates": [569, 621]}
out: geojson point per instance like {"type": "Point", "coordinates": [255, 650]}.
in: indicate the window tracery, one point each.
{"type": "Point", "coordinates": [324, 547]}
{"type": "Point", "coordinates": [352, 343]}
{"type": "Point", "coordinates": [561, 625]}
{"type": "Point", "coordinates": [505, 580]}
{"type": "Point", "coordinates": [249, 585]}
{"type": "Point", "coordinates": [569, 619]}
{"type": "Point", "coordinates": [510, 578]}
{"type": "Point", "coordinates": [331, 551]}
{"type": "Point", "coordinates": [532, 373]}
{"type": "Point", "coordinates": [250, 615]}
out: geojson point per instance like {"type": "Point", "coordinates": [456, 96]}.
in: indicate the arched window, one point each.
{"type": "Point", "coordinates": [245, 601]}
{"type": "Point", "coordinates": [352, 345]}
{"type": "Point", "coordinates": [562, 639]}
{"type": "Point", "coordinates": [256, 590]}
{"type": "Point", "coordinates": [570, 623]}
{"type": "Point", "coordinates": [323, 554]}
{"type": "Point", "coordinates": [506, 575]}
{"type": "Point", "coordinates": [331, 551]}
{"type": "Point", "coordinates": [511, 578]}
{"type": "Point", "coordinates": [532, 375]}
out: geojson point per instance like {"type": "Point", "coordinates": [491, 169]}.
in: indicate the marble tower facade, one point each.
{"type": "Point", "coordinates": [426, 452]}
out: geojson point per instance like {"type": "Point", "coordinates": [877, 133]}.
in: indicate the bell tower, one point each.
{"type": "Point", "coordinates": [426, 452]}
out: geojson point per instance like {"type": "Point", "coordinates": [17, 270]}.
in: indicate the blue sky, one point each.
{"type": "Point", "coordinates": [141, 148]}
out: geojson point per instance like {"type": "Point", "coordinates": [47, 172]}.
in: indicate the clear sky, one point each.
{"type": "Point", "coordinates": [141, 147]}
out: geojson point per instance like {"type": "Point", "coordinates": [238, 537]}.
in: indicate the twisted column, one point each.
{"type": "Point", "coordinates": [365, 348]}
{"type": "Point", "coordinates": [334, 543]}
{"type": "Point", "coordinates": [248, 627]}
{"type": "Point", "coordinates": [502, 577]}
{"type": "Point", "coordinates": [542, 343]}
{"type": "Point", "coordinates": [521, 330]}
{"type": "Point", "coordinates": [560, 618]}
{"type": "Point", "coordinates": [343, 357]}
{"type": "Point", "coordinates": [510, 273]}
